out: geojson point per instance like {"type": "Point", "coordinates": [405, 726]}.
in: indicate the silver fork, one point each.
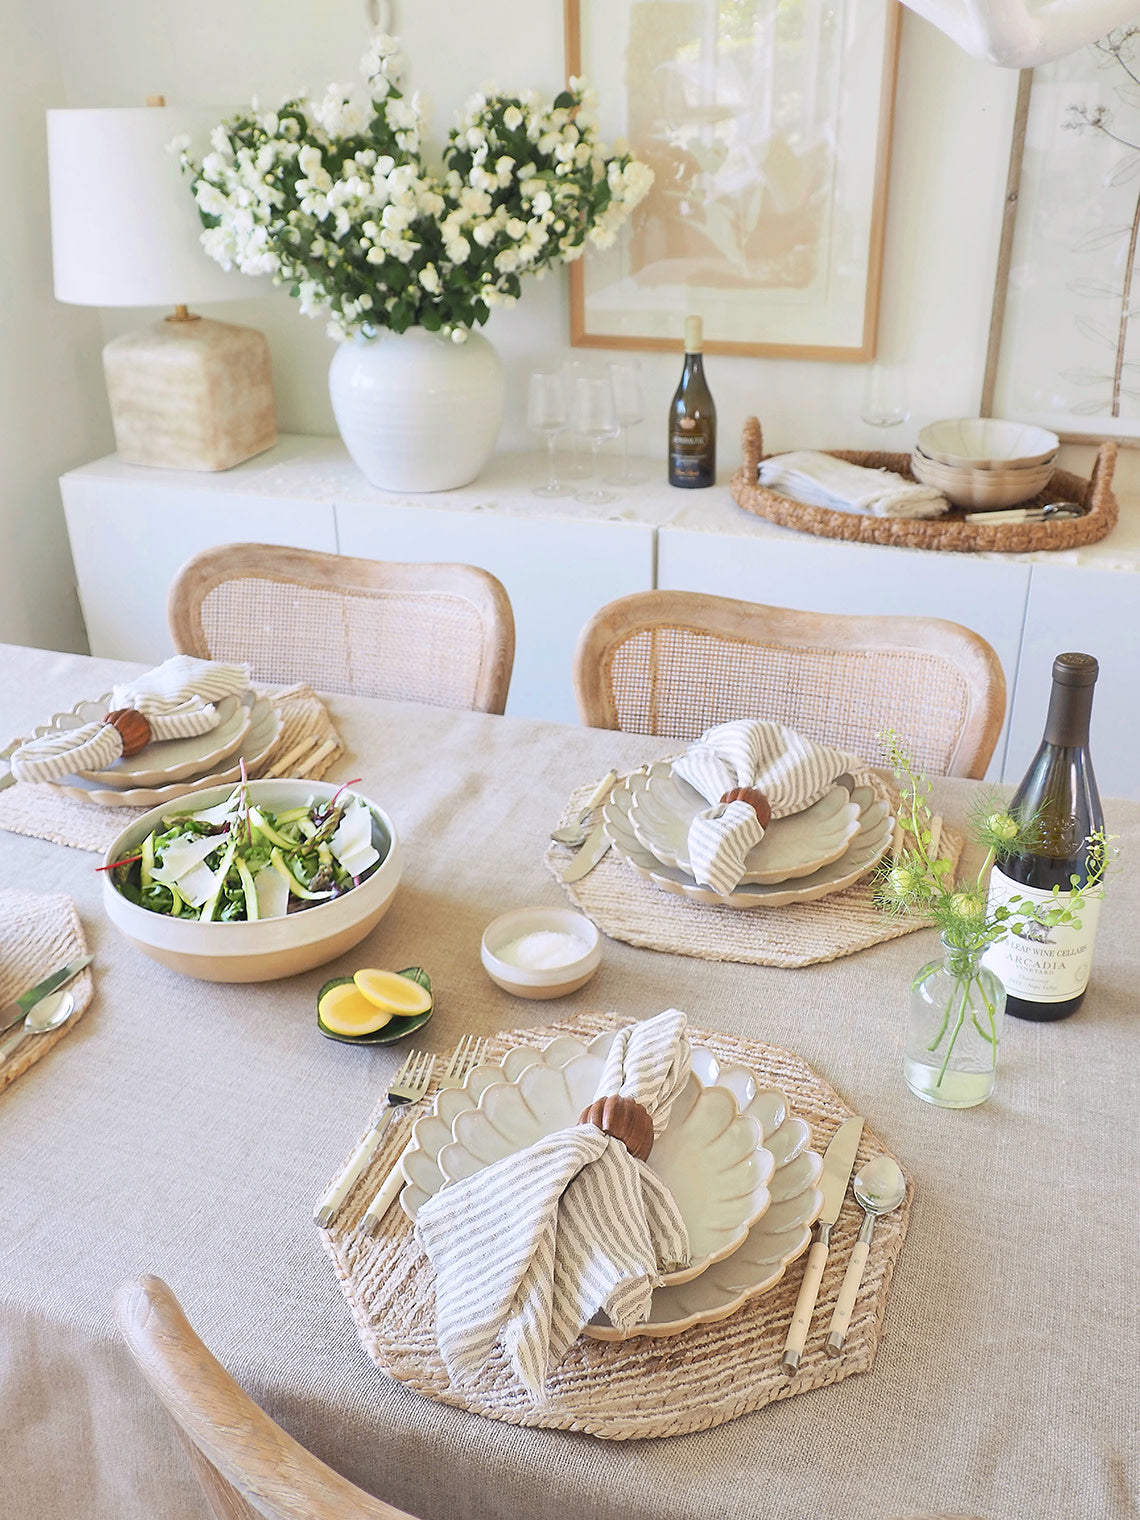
{"type": "Point", "coordinates": [408, 1086]}
{"type": "Point", "coordinates": [468, 1054]}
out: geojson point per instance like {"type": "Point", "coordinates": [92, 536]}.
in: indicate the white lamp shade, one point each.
{"type": "Point", "coordinates": [124, 225]}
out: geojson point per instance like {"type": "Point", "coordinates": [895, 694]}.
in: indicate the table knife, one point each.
{"type": "Point", "coordinates": [837, 1164]}
{"type": "Point", "coordinates": [588, 856]}
{"type": "Point", "coordinates": [13, 1012]}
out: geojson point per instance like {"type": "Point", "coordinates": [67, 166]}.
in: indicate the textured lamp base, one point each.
{"type": "Point", "coordinates": [190, 394]}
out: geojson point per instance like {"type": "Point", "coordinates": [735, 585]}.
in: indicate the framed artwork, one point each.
{"type": "Point", "coordinates": [1065, 338]}
{"type": "Point", "coordinates": [767, 124]}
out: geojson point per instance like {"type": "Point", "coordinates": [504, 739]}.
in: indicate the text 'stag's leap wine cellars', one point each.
{"type": "Point", "coordinates": [692, 418]}
{"type": "Point", "coordinates": [1045, 967]}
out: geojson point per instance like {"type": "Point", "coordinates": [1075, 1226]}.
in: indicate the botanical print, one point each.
{"type": "Point", "coordinates": [760, 120]}
{"type": "Point", "coordinates": [1070, 352]}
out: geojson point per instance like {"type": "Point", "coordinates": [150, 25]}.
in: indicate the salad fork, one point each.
{"type": "Point", "coordinates": [408, 1086]}
{"type": "Point", "coordinates": [468, 1054]}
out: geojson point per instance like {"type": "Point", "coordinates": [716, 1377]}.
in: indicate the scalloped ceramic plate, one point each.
{"type": "Point", "coordinates": [258, 740]}
{"type": "Point", "coordinates": [164, 761]}
{"type": "Point", "coordinates": [866, 849]}
{"type": "Point", "coordinates": [772, 1244]}
{"type": "Point", "coordinates": [662, 812]}
{"type": "Point", "coordinates": [711, 1159]}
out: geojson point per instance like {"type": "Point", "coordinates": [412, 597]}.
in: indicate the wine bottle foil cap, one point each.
{"type": "Point", "coordinates": [1075, 669]}
{"type": "Point", "coordinates": [694, 335]}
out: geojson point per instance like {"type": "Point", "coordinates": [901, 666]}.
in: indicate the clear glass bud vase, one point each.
{"type": "Point", "coordinates": [954, 1029]}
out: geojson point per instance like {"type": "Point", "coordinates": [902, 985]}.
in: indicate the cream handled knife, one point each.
{"type": "Point", "coordinates": [588, 856]}
{"type": "Point", "coordinates": [837, 1164]}
{"type": "Point", "coordinates": [15, 1012]}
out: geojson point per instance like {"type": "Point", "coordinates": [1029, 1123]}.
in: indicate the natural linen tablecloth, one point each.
{"type": "Point", "coordinates": [185, 1128]}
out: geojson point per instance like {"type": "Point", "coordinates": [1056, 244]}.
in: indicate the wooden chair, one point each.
{"type": "Point", "coordinates": [442, 634]}
{"type": "Point", "coordinates": [249, 1469]}
{"type": "Point", "coordinates": [675, 662]}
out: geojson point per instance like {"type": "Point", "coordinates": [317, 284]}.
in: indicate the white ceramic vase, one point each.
{"type": "Point", "coordinates": [418, 412]}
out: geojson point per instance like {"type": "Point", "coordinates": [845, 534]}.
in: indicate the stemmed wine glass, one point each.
{"type": "Point", "coordinates": [546, 414]}
{"type": "Point", "coordinates": [625, 378]}
{"type": "Point", "coordinates": [594, 418]}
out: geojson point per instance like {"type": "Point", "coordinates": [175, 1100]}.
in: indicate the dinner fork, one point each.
{"type": "Point", "coordinates": [408, 1086]}
{"type": "Point", "coordinates": [468, 1054]}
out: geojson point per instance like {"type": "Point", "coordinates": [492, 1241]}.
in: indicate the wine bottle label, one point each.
{"type": "Point", "coordinates": [1039, 962]}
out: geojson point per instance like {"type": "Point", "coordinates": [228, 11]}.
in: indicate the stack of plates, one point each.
{"type": "Point", "coordinates": [248, 729]}
{"type": "Point", "coordinates": [983, 462]}
{"type": "Point", "coordinates": [735, 1158]}
{"type": "Point", "coordinates": [801, 857]}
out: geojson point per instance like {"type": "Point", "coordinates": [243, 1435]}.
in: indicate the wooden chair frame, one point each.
{"type": "Point", "coordinates": [249, 1469]}
{"type": "Point", "coordinates": [336, 572]}
{"type": "Point", "coordinates": [754, 623]}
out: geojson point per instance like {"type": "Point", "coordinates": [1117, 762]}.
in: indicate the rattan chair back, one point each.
{"type": "Point", "coordinates": [675, 662]}
{"type": "Point", "coordinates": [442, 634]}
{"type": "Point", "coordinates": [247, 1466]}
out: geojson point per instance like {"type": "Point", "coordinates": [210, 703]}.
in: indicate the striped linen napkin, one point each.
{"type": "Point", "coordinates": [791, 771]}
{"type": "Point", "coordinates": [821, 480]}
{"type": "Point", "coordinates": [530, 1248]}
{"type": "Point", "coordinates": [177, 699]}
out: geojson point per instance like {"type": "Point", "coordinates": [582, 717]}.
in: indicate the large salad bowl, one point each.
{"type": "Point", "coordinates": [269, 948]}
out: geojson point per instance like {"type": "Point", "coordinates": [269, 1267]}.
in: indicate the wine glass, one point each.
{"type": "Point", "coordinates": [885, 401]}
{"type": "Point", "coordinates": [546, 414]}
{"type": "Point", "coordinates": [625, 378]}
{"type": "Point", "coordinates": [594, 418]}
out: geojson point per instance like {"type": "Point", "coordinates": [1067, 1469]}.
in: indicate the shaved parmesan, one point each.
{"type": "Point", "coordinates": [352, 842]}
{"type": "Point", "coordinates": [182, 855]}
{"type": "Point", "coordinates": [198, 885]}
{"type": "Point", "coordinates": [272, 893]}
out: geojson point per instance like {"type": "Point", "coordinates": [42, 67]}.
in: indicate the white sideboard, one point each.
{"type": "Point", "coordinates": [131, 529]}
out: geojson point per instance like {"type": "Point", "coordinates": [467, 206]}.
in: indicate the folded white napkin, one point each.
{"type": "Point", "coordinates": [533, 1246]}
{"type": "Point", "coordinates": [791, 771]}
{"type": "Point", "coordinates": [821, 480]}
{"type": "Point", "coordinates": [177, 700]}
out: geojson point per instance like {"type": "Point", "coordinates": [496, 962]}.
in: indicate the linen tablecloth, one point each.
{"type": "Point", "coordinates": [186, 1128]}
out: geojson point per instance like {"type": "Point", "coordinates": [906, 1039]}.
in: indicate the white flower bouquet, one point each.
{"type": "Point", "coordinates": [334, 199]}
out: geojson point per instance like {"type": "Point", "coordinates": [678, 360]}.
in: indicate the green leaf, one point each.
{"type": "Point", "coordinates": [563, 101]}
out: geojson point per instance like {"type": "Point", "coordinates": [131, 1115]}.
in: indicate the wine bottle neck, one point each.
{"type": "Point", "coordinates": [1067, 723]}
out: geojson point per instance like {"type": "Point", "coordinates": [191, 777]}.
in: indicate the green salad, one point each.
{"type": "Point", "coordinates": [238, 861]}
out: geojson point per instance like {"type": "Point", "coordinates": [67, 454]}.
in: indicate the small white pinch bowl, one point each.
{"type": "Point", "coordinates": [272, 947]}
{"type": "Point", "coordinates": [546, 981]}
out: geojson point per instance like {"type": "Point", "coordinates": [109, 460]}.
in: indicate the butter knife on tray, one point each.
{"type": "Point", "coordinates": [597, 843]}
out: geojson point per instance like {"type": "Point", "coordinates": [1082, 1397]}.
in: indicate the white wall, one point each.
{"type": "Point", "coordinates": [53, 411]}
{"type": "Point", "coordinates": [952, 129]}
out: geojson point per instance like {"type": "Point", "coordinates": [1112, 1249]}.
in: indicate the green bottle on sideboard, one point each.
{"type": "Point", "coordinates": [692, 418]}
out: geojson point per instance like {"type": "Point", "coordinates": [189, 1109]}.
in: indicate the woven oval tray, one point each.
{"type": "Point", "coordinates": [949, 532]}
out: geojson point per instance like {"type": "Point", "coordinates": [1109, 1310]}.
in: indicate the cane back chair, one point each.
{"type": "Point", "coordinates": [675, 662]}
{"type": "Point", "coordinates": [247, 1466]}
{"type": "Point", "coordinates": [441, 634]}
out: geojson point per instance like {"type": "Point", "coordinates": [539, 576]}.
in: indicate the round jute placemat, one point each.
{"type": "Point", "coordinates": [949, 532]}
{"type": "Point", "coordinates": [801, 934]}
{"type": "Point", "coordinates": [644, 1387]}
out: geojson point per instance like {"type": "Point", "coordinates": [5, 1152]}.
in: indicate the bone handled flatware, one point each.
{"type": "Point", "coordinates": [837, 1164]}
{"type": "Point", "coordinates": [879, 1188]}
{"type": "Point", "coordinates": [18, 1010]}
{"type": "Point", "coordinates": [588, 856]}
{"type": "Point", "coordinates": [576, 833]}
{"type": "Point", "coordinates": [48, 1014]}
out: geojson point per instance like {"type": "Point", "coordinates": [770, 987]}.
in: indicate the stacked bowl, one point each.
{"type": "Point", "coordinates": [983, 462]}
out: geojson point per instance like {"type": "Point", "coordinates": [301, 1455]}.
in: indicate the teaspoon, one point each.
{"type": "Point", "coordinates": [49, 1013]}
{"type": "Point", "coordinates": [574, 834]}
{"type": "Point", "coordinates": [879, 1187]}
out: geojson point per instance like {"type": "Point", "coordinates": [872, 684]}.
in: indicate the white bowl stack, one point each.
{"type": "Point", "coordinates": [983, 462]}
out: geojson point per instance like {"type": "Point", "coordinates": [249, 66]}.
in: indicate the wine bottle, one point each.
{"type": "Point", "coordinates": [1045, 969]}
{"type": "Point", "coordinates": [692, 418]}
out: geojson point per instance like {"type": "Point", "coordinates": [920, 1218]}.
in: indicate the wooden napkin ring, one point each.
{"type": "Point", "coordinates": [755, 800]}
{"type": "Point", "coordinates": [133, 727]}
{"type": "Point", "coordinates": [626, 1120]}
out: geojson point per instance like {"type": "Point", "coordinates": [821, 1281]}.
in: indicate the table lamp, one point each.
{"type": "Point", "coordinates": [187, 393]}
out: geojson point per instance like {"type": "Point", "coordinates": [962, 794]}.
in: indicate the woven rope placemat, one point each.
{"type": "Point", "coordinates": [308, 745]}
{"type": "Point", "coordinates": [951, 531]}
{"type": "Point", "coordinates": [626, 1390]}
{"type": "Point", "coordinates": [638, 913]}
{"type": "Point", "coordinates": [38, 932]}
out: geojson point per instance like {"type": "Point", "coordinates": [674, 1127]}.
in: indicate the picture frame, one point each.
{"type": "Point", "coordinates": [1064, 345]}
{"type": "Point", "coordinates": [769, 132]}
